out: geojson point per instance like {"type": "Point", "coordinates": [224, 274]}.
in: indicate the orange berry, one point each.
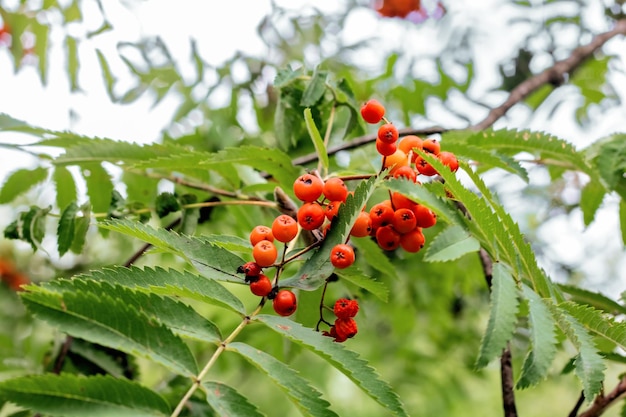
{"type": "Point", "coordinates": [308, 187]}
{"type": "Point", "coordinates": [260, 233]}
{"type": "Point", "coordinates": [372, 111]}
{"type": "Point", "coordinates": [284, 228]}
{"type": "Point", "coordinates": [264, 253]}
{"type": "Point", "coordinates": [311, 216]}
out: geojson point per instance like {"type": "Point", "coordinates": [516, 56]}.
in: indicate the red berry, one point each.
{"type": "Point", "coordinates": [345, 308]}
{"type": "Point", "coordinates": [345, 329]}
{"type": "Point", "coordinates": [384, 148]}
{"type": "Point", "coordinates": [372, 111]}
{"type": "Point", "coordinates": [431, 146]}
{"type": "Point", "coordinates": [388, 133]}
{"type": "Point", "coordinates": [342, 256]}
{"type": "Point", "coordinates": [251, 269]}
{"type": "Point", "coordinates": [285, 303]}
{"type": "Point", "coordinates": [362, 226]}
{"type": "Point", "coordinates": [332, 209]}
{"type": "Point", "coordinates": [404, 220]}
{"type": "Point", "coordinates": [284, 228]}
{"type": "Point", "coordinates": [409, 143]}
{"type": "Point", "coordinates": [335, 189]}
{"type": "Point", "coordinates": [395, 161]}
{"type": "Point", "coordinates": [260, 233]}
{"type": "Point", "coordinates": [381, 215]}
{"type": "Point", "coordinates": [449, 160]}
{"type": "Point", "coordinates": [264, 253]}
{"type": "Point", "coordinates": [311, 216]}
{"type": "Point", "coordinates": [424, 167]}
{"type": "Point", "coordinates": [424, 216]}
{"type": "Point", "coordinates": [401, 201]}
{"type": "Point", "coordinates": [413, 241]}
{"type": "Point", "coordinates": [308, 187]}
{"type": "Point", "coordinates": [405, 172]}
{"type": "Point", "coordinates": [262, 286]}
{"type": "Point", "coordinates": [387, 237]}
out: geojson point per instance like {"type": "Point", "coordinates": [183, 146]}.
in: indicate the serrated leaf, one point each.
{"type": "Point", "coordinates": [318, 142]}
{"type": "Point", "coordinates": [502, 317]}
{"type": "Point", "coordinates": [318, 267]}
{"type": "Point", "coordinates": [33, 226]}
{"type": "Point", "coordinates": [73, 65]}
{"type": "Point", "coordinates": [597, 323]}
{"type": "Point", "coordinates": [622, 220]}
{"type": "Point", "coordinates": [226, 401]}
{"type": "Point", "coordinates": [170, 282]}
{"type": "Point", "coordinates": [304, 396]}
{"type": "Point", "coordinates": [102, 319]}
{"type": "Point", "coordinates": [358, 278]}
{"type": "Point", "coordinates": [451, 244]}
{"type": "Point", "coordinates": [102, 149]}
{"type": "Point", "coordinates": [94, 396]}
{"type": "Point", "coordinates": [109, 79]}
{"type": "Point", "coordinates": [589, 366]}
{"type": "Point", "coordinates": [595, 299]}
{"type": "Point", "coordinates": [96, 355]}
{"type": "Point", "coordinates": [178, 317]}
{"type": "Point", "coordinates": [40, 49]}
{"type": "Point", "coordinates": [542, 338]}
{"type": "Point", "coordinates": [347, 362]}
{"type": "Point", "coordinates": [65, 229]}
{"type": "Point", "coordinates": [20, 181]}
{"type": "Point", "coordinates": [286, 76]}
{"type": "Point", "coordinates": [315, 88]}
{"type": "Point", "coordinates": [486, 158]}
{"type": "Point", "coordinates": [65, 186]}
{"type": "Point", "coordinates": [422, 195]}
{"type": "Point", "coordinates": [590, 200]}
{"type": "Point", "coordinates": [369, 251]}
{"type": "Point", "coordinates": [212, 261]}
{"type": "Point", "coordinates": [81, 226]}
{"type": "Point", "coordinates": [99, 186]}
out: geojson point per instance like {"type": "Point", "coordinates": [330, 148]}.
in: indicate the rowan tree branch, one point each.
{"type": "Point", "coordinates": [555, 75]}
{"type": "Point", "coordinates": [602, 402]}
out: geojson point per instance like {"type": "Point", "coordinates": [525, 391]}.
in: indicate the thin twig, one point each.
{"type": "Point", "coordinates": [508, 393]}
{"type": "Point", "coordinates": [579, 403]}
{"type": "Point", "coordinates": [602, 402]}
{"type": "Point", "coordinates": [556, 75]}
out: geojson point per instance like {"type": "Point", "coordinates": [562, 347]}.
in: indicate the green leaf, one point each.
{"type": "Point", "coordinates": [99, 186]}
{"type": "Point", "coordinates": [304, 396]}
{"type": "Point", "coordinates": [451, 244]}
{"type": "Point", "coordinates": [370, 252]}
{"type": "Point", "coordinates": [542, 338]}
{"type": "Point", "coordinates": [210, 260]}
{"type": "Point", "coordinates": [318, 267]}
{"type": "Point", "coordinates": [178, 317]}
{"type": "Point", "coordinates": [65, 229]}
{"type": "Point", "coordinates": [590, 200]}
{"type": "Point", "coordinates": [20, 181]}
{"type": "Point", "coordinates": [81, 226]}
{"type": "Point", "coordinates": [594, 299]}
{"type": "Point", "coordinates": [423, 195]}
{"type": "Point", "coordinates": [73, 65]}
{"type": "Point", "coordinates": [502, 317]}
{"type": "Point", "coordinates": [485, 158]}
{"type": "Point", "coordinates": [226, 401]}
{"type": "Point", "coordinates": [597, 322]}
{"type": "Point", "coordinates": [98, 356]}
{"type": "Point", "coordinates": [191, 215]}
{"type": "Point", "coordinates": [102, 149]}
{"type": "Point", "coordinates": [33, 226]}
{"type": "Point", "coordinates": [102, 319]}
{"type": "Point", "coordinates": [358, 278]}
{"type": "Point", "coordinates": [320, 148]}
{"type": "Point", "coordinates": [65, 186]}
{"type": "Point", "coordinates": [608, 157]}
{"type": "Point", "coordinates": [169, 282]}
{"type": "Point", "coordinates": [286, 76]}
{"type": "Point", "coordinates": [347, 362]}
{"type": "Point", "coordinates": [74, 395]}
{"type": "Point", "coordinates": [622, 220]}
{"type": "Point", "coordinates": [40, 48]}
{"type": "Point", "coordinates": [314, 91]}
{"type": "Point", "coordinates": [109, 79]}
{"type": "Point", "coordinates": [588, 364]}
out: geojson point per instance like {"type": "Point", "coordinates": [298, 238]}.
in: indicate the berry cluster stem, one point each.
{"type": "Point", "coordinates": [197, 380]}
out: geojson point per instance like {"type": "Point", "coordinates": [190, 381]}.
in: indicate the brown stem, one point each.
{"type": "Point", "coordinates": [508, 393]}
{"type": "Point", "coordinates": [579, 403]}
{"type": "Point", "coordinates": [602, 402]}
{"type": "Point", "coordinates": [555, 75]}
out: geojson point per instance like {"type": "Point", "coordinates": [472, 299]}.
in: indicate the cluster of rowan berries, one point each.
{"type": "Point", "coordinates": [284, 229]}
{"type": "Point", "coordinates": [345, 326]}
{"type": "Point", "coordinates": [398, 221]}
